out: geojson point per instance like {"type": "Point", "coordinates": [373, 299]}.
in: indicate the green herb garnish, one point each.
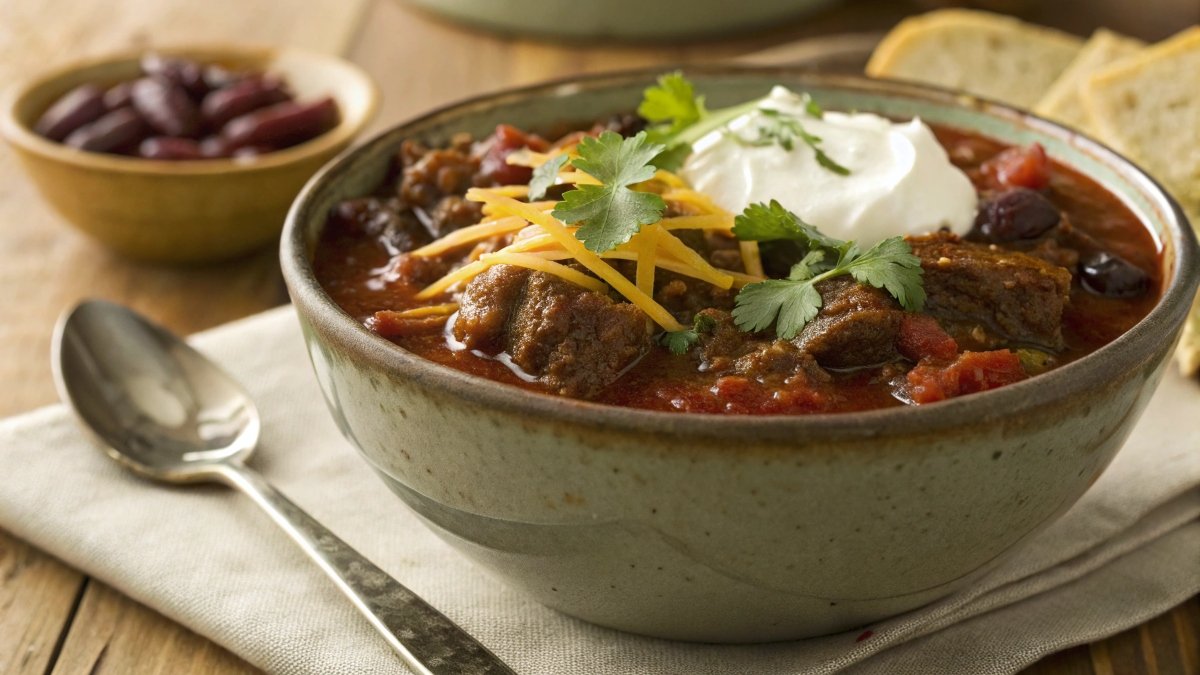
{"type": "Point", "coordinates": [679, 118]}
{"type": "Point", "coordinates": [680, 341]}
{"type": "Point", "coordinates": [611, 213]}
{"type": "Point", "coordinates": [793, 302]}
{"type": "Point", "coordinates": [544, 176]}
{"type": "Point", "coordinates": [783, 129]}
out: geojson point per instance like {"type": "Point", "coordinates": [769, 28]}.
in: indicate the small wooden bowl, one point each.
{"type": "Point", "coordinates": [183, 211]}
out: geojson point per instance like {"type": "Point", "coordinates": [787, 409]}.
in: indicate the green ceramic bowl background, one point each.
{"type": "Point", "coordinates": [621, 19]}
{"type": "Point", "coordinates": [718, 528]}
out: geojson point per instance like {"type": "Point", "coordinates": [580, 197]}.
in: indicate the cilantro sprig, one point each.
{"type": "Point", "coordinates": [790, 304]}
{"type": "Point", "coordinates": [679, 341]}
{"type": "Point", "coordinates": [678, 118]}
{"type": "Point", "coordinates": [783, 129]}
{"type": "Point", "coordinates": [611, 213]}
{"type": "Point", "coordinates": [544, 176]}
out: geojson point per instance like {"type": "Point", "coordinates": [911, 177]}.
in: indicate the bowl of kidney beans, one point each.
{"type": "Point", "coordinates": [184, 154]}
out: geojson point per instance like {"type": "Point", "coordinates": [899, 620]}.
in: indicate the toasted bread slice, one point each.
{"type": "Point", "coordinates": [981, 53]}
{"type": "Point", "coordinates": [1148, 106]}
{"type": "Point", "coordinates": [1062, 102]}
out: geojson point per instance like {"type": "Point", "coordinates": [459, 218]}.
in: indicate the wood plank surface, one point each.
{"type": "Point", "coordinates": [54, 620]}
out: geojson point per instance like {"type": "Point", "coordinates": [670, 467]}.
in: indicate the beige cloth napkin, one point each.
{"type": "Point", "coordinates": [205, 557]}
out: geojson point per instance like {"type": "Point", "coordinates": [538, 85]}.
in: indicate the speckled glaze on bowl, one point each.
{"type": "Point", "coordinates": [732, 529]}
{"type": "Point", "coordinates": [183, 211]}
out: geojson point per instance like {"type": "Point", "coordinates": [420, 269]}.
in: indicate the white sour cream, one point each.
{"type": "Point", "coordinates": [900, 181]}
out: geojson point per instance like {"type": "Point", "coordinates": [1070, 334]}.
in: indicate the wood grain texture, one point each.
{"type": "Point", "coordinates": [54, 620]}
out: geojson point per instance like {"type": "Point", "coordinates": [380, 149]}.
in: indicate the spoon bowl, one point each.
{"type": "Point", "coordinates": [159, 406]}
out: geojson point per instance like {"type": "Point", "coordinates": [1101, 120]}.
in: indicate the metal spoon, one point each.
{"type": "Point", "coordinates": [168, 413]}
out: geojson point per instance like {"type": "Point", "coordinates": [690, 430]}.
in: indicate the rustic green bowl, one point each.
{"type": "Point", "coordinates": [718, 528]}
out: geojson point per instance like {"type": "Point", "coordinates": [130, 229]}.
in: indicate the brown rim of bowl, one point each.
{"type": "Point", "coordinates": [1090, 372]}
{"type": "Point", "coordinates": [19, 133]}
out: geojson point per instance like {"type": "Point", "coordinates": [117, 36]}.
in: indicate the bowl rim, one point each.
{"type": "Point", "coordinates": [21, 135]}
{"type": "Point", "coordinates": [1092, 372]}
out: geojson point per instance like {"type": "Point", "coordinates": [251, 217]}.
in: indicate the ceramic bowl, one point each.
{"type": "Point", "coordinates": [182, 212]}
{"type": "Point", "coordinates": [732, 528]}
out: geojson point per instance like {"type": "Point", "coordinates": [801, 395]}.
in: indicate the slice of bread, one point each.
{"type": "Point", "coordinates": [985, 54]}
{"type": "Point", "coordinates": [1148, 106]}
{"type": "Point", "coordinates": [1062, 102]}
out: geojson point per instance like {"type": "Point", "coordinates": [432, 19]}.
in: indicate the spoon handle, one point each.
{"type": "Point", "coordinates": [429, 643]}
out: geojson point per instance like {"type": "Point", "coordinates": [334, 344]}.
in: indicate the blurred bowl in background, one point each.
{"type": "Point", "coordinates": [183, 211]}
{"type": "Point", "coordinates": [622, 19]}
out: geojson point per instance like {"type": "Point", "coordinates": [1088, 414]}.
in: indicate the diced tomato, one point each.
{"type": "Point", "coordinates": [1026, 167]}
{"type": "Point", "coordinates": [922, 337]}
{"type": "Point", "coordinates": [971, 372]}
{"type": "Point", "coordinates": [503, 142]}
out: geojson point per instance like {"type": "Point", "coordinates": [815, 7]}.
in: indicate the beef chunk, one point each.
{"type": "Point", "coordinates": [857, 326]}
{"type": "Point", "coordinates": [432, 183]}
{"type": "Point", "coordinates": [1010, 296]}
{"type": "Point", "coordinates": [727, 350]}
{"type": "Point", "coordinates": [573, 340]}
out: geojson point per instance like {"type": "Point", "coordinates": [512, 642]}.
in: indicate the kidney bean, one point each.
{"type": "Point", "coordinates": [240, 98]}
{"type": "Point", "coordinates": [1019, 213]}
{"type": "Point", "coordinates": [119, 96]}
{"type": "Point", "coordinates": [78, 107]}
{"type": "Point", "coordinates": [282, 124]}
{"type": "Point", "coordinates": [1112, 276]}
{"type": "Point", "coordinates": [213, 147]}
{"type": "Point", "coordinates": [184, 72]}
{"type": "Point", "coordinates": [165, 106]}
{"type": "Point", "coordinates": [166, 147]}
{"type": "Point", "coordinates": [112, 132]}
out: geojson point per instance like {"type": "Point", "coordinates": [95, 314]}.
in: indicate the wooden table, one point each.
{"type": "Point", "coordinates": [54, 619]}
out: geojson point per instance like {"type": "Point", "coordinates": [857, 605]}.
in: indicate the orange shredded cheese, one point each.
{"type": "Point", "coordinates": [588, 259]}
{"type": "Point", "coordinates": [646, 246]}
{"type": "Point", "coordinates": [708, 221]}
{"type": "Point", "coordinates": [688, 256]}
{"type": "Point", "coordinates": [473, 233]}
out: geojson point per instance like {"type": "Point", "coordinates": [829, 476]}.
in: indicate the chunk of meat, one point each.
{"type": "Point", "coordinates": [384, 220]}
{"type": "Point", "coordinates": [1010, 296]}
{"type": "Point", "coordinates": [575, 341]}
{"type": "Point", "coordinates": [856, 326]}
{"type": "Point", "coordinates": [971, 372]}
{"type": "Point", "coordinates": [432, 184]}
{"type": "Point", "coordinates": [726, 349]}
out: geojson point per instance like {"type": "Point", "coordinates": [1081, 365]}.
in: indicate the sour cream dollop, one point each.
{"type": "Point", "coordinates": [900, 182]}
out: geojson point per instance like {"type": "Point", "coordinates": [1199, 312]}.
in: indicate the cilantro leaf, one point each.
{"type": "Point", "coordinates": [791, 303]}
{"type": "Point", "coordinates": [788, 303]}
{"type": "Point", "coordinates": [611, 213]}
{"type": "Point", "coordinates": [544, 176]}
{"type": "Point", "coordinates": [680, 341]}
{"type": "Point", "coordinates": [891, 265]}
{"type": "Point", "coordinates": [673, 157]}
{"type": "Point", "coordinates": [770, 222]}
{"type": "Point", "coordinates": [672, 104]}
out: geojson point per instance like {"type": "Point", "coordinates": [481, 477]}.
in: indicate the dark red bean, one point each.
{"type": "Point", "coordinates": [78, 107]}
{"type": "Point", "coordinates": [213, 147]}
{"type": "Point", "coordinates": [1112, 276]}
{"type": "Point", "coordinates": [240, 98]}
{"type": "Point", "coordinates": [282, 124]}
{"type": "Point", "coordinates": [1019, 213]}
{"type": "Point", "coordinates": [219, 77]}
{"type": "Point", "coordinates": [184, 72]}
{"type": "Point", "coordinates": [119, 96]}
{"type": "Point", "coordinates": [166, 107]}
{"type": "Point", "coordinates": [165, 147]}
{"type": "Point", "coordinates": [112, 132]}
